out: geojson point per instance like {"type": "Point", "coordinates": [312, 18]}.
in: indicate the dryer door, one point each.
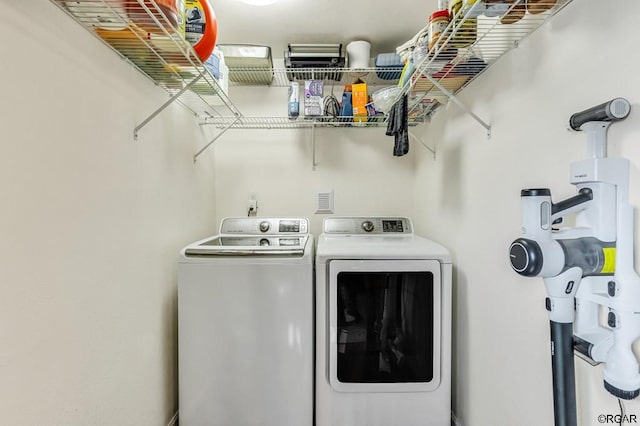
{"type": "Point", "coordinates": [384, 325]}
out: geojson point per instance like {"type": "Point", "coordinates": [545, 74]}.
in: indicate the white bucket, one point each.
{"type": "Point", "coordinates": [359, 54]}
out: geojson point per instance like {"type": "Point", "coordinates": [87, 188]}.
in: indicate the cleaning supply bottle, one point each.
{"type": "Point", "coordinates": [201, 27]}
{"type": "Point", "coordinates": [294, 100]}
{"type": "Point", "coordinates": [346, 109]}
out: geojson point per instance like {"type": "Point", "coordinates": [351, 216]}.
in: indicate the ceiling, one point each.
{"type": "Point", "coordinates": [383, 24]}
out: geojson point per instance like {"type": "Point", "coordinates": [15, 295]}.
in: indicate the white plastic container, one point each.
{"type": "Point", "coordinates": [358, 54]}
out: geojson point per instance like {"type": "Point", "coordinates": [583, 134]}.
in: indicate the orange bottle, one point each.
{"type": "Point", "coordinates": [201, 27]}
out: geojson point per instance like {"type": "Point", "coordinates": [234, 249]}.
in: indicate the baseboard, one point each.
{"type": "Point", "coordinates": [174, 419]}
{"type": "Point", "coordinates": [455, 421]}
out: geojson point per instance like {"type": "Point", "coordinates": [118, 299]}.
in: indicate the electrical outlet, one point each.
{"type": "Point", "coordinates": [252, 204]}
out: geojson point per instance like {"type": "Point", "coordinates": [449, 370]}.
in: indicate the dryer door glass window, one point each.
{"type": "Point", "coordinates": [385, 326]}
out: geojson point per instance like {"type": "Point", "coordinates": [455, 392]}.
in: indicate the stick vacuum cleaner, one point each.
{"type": "Point", "coordinates": [580, 263]}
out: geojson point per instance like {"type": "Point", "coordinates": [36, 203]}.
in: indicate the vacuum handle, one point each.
{"type": "Point", "coordinates": [614, 110]}
{"type": "Point", "coordinates": [584, 195]}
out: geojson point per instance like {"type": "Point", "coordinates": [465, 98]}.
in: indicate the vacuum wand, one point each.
{"type": "Point", "coordinates": [564, 379]}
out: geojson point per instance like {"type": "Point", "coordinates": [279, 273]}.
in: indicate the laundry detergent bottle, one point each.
{"type": "Point", "coordinates": [201, 27]}
{"type": "Point", "coordinates": [346, 109]}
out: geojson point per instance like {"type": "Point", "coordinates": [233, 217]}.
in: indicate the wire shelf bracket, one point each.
{"type": "Point", "coordinates": [171, 100]}
{"type": "Point", "coordinates": [453, 98]}
{"type": "Point", "coordinates": [314, 163]}
{"type": "Point", "coordinates": [431, 150]}
{"type": "Point", "coordinates": [216, 137]}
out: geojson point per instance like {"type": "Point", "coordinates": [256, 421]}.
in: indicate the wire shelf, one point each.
{"type": "Point", "coordinates": [469, 46]}
{"type": "Point", "coordinates": [147, 36]}
{"type": "Point", "coordinates": [308, 122]}
{"type": "Point", "coordinates": [282, 77]}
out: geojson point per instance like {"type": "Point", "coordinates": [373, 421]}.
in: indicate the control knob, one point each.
{"type": "Point", "coordinates": [264, 226]}
{"type": "Point", "coordinates": [367, 225]}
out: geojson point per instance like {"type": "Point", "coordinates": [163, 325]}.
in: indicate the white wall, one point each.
{"type": "Point", "coordinates": [468, 199]}
{"type": "Point", "coordinates": [91, 225]}
{"type": "Point", "coordinates": [358, 164]}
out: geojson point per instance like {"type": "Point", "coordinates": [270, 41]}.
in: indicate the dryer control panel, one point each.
{"type": "Point", "coordinates": [368, 225]}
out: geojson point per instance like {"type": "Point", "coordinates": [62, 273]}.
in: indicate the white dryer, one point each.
{"type": "Point", "coordinates": [383, 325]}
{"type": "Point", "coordinates": [245, 325]}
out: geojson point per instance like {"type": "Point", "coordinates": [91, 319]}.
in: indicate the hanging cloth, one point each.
{"type": "Point", "coordinates": [398, 126]}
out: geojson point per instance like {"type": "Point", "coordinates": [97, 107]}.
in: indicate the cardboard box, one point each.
{"type": "Point", "coordinates": [359, 101]}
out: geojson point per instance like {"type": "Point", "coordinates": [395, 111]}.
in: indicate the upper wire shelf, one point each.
{"type": "Point", "coordinates": [141, 32]}
{"type": "Point", "coordinates": [439, 74]}
{"type": "Point", "coordinates": [446, 69]}
{"type": "Point", "coordinates": [147, 36]}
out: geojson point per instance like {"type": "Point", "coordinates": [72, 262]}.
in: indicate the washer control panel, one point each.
{"type": "Point", "coordinates": [368, 225]}
{"type": "Point", "coordinates": [264, 225]}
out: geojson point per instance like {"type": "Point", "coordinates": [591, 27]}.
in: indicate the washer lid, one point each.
{"type": "Point", "coordinates": [256, 245]}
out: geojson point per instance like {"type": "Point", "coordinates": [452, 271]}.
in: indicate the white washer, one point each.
{"type": "Point", "coordinates": [245, 325]}
{"type": "Point", "coordinates": [383, 325]}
